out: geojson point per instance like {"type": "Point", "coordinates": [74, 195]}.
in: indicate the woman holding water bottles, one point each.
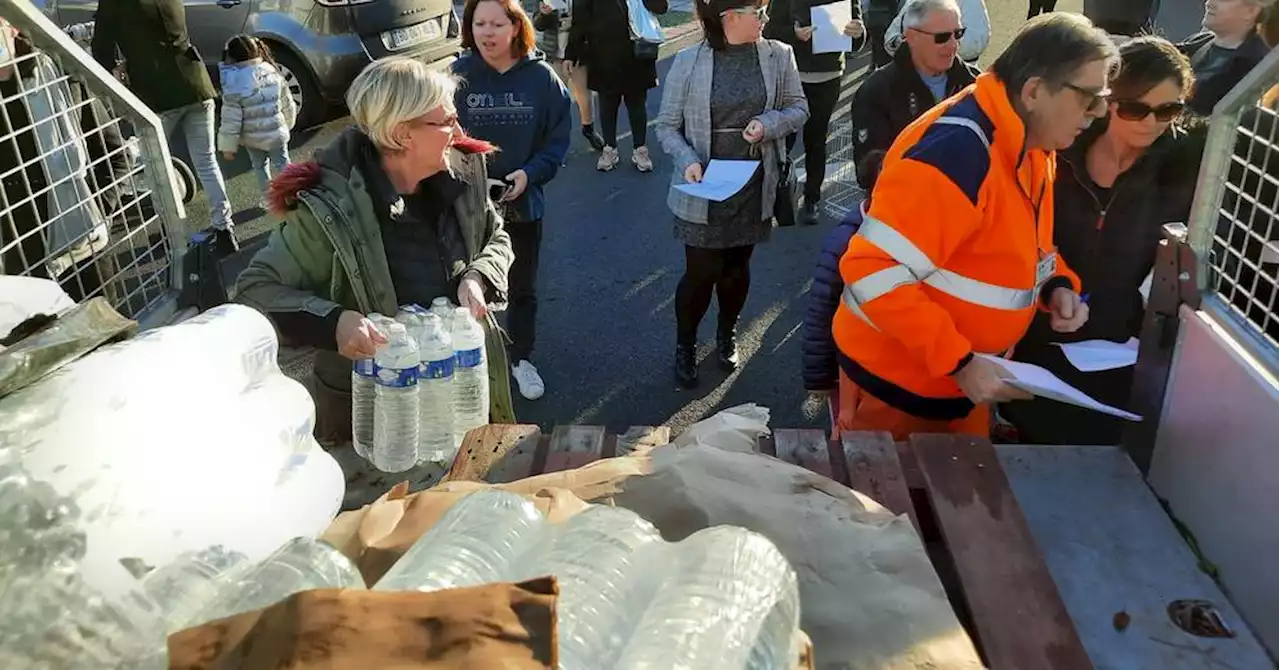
{"type": "Point", "coordinates": [394, 211]}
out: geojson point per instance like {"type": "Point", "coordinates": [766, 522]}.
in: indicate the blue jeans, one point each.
{"type": "Point", "coordinates": [268, 163]}
{"type": "Point", "coordinates": [197, 124]}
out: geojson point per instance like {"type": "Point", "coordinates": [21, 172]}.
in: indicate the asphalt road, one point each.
{"type": "Point", "coordinates": [608, 274]}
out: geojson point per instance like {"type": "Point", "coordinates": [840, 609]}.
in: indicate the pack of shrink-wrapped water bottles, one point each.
{"type": "Point", "coordinates": [428, 384]}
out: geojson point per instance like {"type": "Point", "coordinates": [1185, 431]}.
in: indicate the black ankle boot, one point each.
{"type": "Point", "coordinates": [727, 350]}
{"type": "Point", "coordinates": [686, 366]}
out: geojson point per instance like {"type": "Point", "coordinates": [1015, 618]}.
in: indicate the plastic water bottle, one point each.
{"type": "Point", "coordinates": [362, 400]}
{"type": "Point", "coordinates": [476, 542]}
{"type": "Point", "coordinates": [302, 564]}
{"type": "Point", "coordinates": [470, 375]}
{"type": "Point", "coordinates": [443, 308]}
{"type": "Point", "coordinates": [737, 590]}
{"type": "Point", "coordinates": [396, 407]}
{"type": "Point", "coordinates": [602, 564]}
{"type": "Point", "coordinates": [435, 391]}
{"type": "Point", "coordinates": [188, 584]}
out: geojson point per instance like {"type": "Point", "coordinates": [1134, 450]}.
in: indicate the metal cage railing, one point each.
{"type": "Point", "coordinates": [1232, 227]}
{"type": "Point", "coordinates": [88, 196]}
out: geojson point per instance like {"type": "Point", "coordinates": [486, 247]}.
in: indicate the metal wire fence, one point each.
{"type": "Point", "coordinates": [1233, 225]}
{"type": "Point", "coordinates": [88, 199]}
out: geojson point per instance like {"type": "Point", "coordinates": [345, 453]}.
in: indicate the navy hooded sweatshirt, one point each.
{"type": "Point", "coordinates": [525, 113]}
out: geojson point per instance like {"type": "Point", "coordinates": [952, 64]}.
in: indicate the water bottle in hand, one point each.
{"type": "Point", "coordinates": [470, 375]}
{"type": "Point", "coordinates": [435, 389]}
{"type": "Point", "coordinates": [396, 405]}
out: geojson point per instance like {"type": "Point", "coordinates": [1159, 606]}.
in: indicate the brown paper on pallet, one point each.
{"type": "Point", "coordinates": [491, 626]}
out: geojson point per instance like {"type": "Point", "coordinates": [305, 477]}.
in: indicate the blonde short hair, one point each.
{"type": "Point", "coordinates": [393, 90]}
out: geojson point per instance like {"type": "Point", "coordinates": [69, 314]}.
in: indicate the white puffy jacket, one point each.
{"type": "Point", "coordinates": [257, 110]}
{"type": "Point", "coordinates": [973, 16]}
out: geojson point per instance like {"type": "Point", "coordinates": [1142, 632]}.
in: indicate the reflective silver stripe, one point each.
{"type": "Point", "coordinates": [981, 293]}
{"type": "Point", "coordinates": [879, 283]}
{"type": "Point", "coordinates": [915, 266]}
{"type": "Point", "coordinates": [967, 123]}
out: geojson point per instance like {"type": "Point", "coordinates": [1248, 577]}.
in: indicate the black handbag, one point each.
{"type": "Point", "coordinates": [787, 199]}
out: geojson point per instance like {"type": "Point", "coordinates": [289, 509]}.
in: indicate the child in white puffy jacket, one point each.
{"type": "Point", "coordinates": [257, 109]}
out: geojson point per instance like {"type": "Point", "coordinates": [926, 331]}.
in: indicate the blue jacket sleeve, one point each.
{"type": "Point", "coordinates": [821, 370]}
{"type": "Point", "coordinates": [544, 164]}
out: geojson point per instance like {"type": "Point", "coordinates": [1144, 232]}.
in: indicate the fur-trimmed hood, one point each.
{"type": "Point", "coordinates": [340, 156]}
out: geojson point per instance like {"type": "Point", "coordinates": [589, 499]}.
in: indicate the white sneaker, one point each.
{"type": "Point", "coordinates": [528, 380]}
{"type": "Point", "coordinates": [608, 159]}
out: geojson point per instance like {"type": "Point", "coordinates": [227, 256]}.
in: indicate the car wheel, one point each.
{"type": "Point", "coordinates": [306, 95]}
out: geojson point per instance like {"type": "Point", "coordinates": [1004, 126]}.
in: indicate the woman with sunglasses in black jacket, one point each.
{"type": "Point", "coordinates": [1116, 187]}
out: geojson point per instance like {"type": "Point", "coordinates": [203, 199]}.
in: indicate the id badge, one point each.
{"type": "Point", "coordinates": [1046, 268]}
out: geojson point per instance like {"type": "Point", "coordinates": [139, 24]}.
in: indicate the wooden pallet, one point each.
{"type": "Point", "coordinates": [953, 488]}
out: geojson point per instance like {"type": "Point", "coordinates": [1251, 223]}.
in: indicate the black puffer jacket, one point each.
{"type": "Point", "coordinates": [1110, 240]}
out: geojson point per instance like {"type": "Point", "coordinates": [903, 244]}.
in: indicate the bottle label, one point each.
{"type": "Point", "coordinates": [436, 369]}
{"type": "Point", "coordinates": [398, 378]}
{"type": "Point", "coordinates": [363, 368]}
{"type": "Point", "coordinates": [470, 358]}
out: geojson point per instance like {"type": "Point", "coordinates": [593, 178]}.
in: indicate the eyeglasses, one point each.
{"type": "Point", "coordinates": [1094, 96]}
{"type": "Point", "coordinates": [450, 122]}
{"type": "Point", "coordinates": [942, 37]}
{"type": "Point", "coordinates": [1133, 110]}
{"type": "Point", "coordinates": [761, 13]}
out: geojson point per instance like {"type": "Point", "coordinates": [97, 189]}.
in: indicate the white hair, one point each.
{"type": "Point", "coordinates": [915, 11]}
{"type": "Point", "coordinates": [393, 90]}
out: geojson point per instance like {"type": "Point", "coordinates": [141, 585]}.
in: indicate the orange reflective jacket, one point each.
{"type": "Point", "coordinates": [953, 256]}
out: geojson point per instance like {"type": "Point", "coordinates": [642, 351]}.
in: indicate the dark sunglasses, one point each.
{"type": "Point", "coordinates": [1133, 110]}
{"type": "Point", "coordinates": [943, 37]}
{"type": "Point", "coordinates": [761, 13]}
{"type": "Point", "coordinates": [1094, 97]}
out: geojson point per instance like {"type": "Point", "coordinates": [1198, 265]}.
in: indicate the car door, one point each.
{"type": "Point", "coordinates": [210, 23]}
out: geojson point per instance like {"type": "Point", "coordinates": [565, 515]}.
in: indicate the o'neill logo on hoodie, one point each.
{"type": "Point", "coordinates": [499, 109]}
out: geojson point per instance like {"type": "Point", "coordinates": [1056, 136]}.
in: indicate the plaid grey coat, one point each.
{"type": "Point", "coordinates": [683, 125]}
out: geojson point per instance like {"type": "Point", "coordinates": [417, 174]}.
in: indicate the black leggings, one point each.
{"type": "Point", "coordinates": [1038, 7]}
{"type": "Point", "coordinates": [636, 114]}
{"type": "Point", "coordinates": [727, 272]}
{"type": "Point", "coordinates": [822, 102]}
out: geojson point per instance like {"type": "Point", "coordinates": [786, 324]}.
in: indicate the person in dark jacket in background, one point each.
{"type": "Point", "coordinates": [511, 98]}
{"type": "Point", "coordinates": [600, 39]}
{"type": "Point", "coordinates": [1117, 186]}
{"type": "Point", "coordinates": [1121, 17]}
{"type": "Point", "coordinates": [879, 14]}
{"type": "Point", "coordinates": [166, 72]}
{"type": "Point", "coordinates": [1228, 49]}
{"type": "Point", "coordinates": [1037, 7]}
{"type": "Point", "coordinates": [790, 22]}
{"type": "Point", "coordinates": [821, 369]}
{"type": "Point", "coordinates": [926, 70]}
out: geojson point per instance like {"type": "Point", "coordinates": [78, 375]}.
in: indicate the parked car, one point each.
{"type": "Point", "coordinates": [320, 45]}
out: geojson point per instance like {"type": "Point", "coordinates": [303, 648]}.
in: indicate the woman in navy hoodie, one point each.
{"type": "Point", "coordinates": [821, 372]}
{"type": "Point", "coordinates": [513, 99]}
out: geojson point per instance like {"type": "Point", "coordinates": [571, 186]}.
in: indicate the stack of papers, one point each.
{"type": "Point", "coordinates": [1038, 381]}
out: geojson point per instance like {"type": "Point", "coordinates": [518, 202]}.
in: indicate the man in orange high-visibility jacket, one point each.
{"type": "Point", "coordinates": [956, 252]}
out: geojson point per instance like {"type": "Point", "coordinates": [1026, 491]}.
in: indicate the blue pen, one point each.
{"type": "Point", "coordinates": [1085, 298]}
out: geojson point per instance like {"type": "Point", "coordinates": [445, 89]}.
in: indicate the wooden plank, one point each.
{"type": "Point", "coordinates": [765, 445]}
{"type": "Point", "coordinates": [1111, 548]}
{"type": "Point", "coordinates": [804, 447]}
{"type": "Point", "coordinates": [640, 437]}
{"type": "Point", "coordinates": [910, 469]}
{"type": "Point", "coordinates": [1020, 619]}
{"type": "Point", "coordinates": [874, 470]}
{"type": "Point", "coordinates": [519, 443]}
{"type": "Point", "coordinates": [574, 446]}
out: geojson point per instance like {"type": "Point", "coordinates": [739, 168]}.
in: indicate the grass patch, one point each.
{"type": "Point", "coordinates": [674, 19]}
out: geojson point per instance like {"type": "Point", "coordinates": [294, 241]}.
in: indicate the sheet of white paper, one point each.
{"type": "Point", "coordinates": [1096, 355]}
{"type": "Point", "coordinates": [559, 5]}
{"type": "Point", "coordinates": [721, 179]}
{"type": "Point", "coordinates": [828, 28]}
{"type": "Point", "coordinates": [1039, 381]}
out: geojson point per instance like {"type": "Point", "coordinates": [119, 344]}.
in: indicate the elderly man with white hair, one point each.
{"type": "Point", "coordinates": [394, 211]}
{"type": "Point", "coordinates": [1226, 51]}
{"type": "Point", "coordinates": [926, 70]}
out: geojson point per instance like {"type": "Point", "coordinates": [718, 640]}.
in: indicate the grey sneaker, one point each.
{"type": "Point", "coordinates": [608, 159]}
{"type": "Point", "coordinates": [640, 158]}
{"type": "Point", "coordinates": [528, 380]}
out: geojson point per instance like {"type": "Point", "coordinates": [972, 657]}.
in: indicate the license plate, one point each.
{"type": "Point", "coordinates": [401, 38]}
